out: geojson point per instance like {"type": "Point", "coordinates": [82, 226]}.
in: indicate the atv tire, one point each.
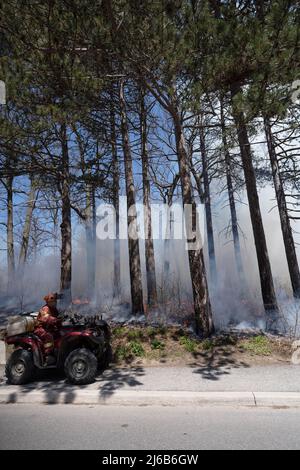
{"type": "Point", "coordinates": [20, 368]}
{"type": "Point", "coordinates": [81, 366]}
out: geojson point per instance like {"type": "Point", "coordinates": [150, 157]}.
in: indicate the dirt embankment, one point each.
{"type": "Point", "coordinates": [166, 346]}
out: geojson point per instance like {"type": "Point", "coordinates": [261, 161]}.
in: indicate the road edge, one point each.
{"type": "Point", "coordinates": [12, 395]}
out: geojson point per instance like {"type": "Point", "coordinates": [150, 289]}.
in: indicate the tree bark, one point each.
{"type": "Point", "coordinates": [10, 235]}
{"type": "Point", "coordinates": [208, 211]}
{"type": "Point", "coordinates": [233, 212]}
{"type": "Point", "coordinates": [169, 227]}
{"type": "Point", "coordinates": [32, 197]}
{"type": "Point", "coordinates": [149, 246]}
{"type": "Point", "coordinates": [116, 195]}
{"type": "Point", "coordinates": [90, 241]}
{"type": "Point", "coordinates": [66, 224]}
{"type": "Point", "coordinates": [286, 228]}
{"type": "Point", "coordinates": [202, 305]}
{"type": "Point", "coordinates": [133, 241]}
{"type": "Point", "coordinates": [266, 278]}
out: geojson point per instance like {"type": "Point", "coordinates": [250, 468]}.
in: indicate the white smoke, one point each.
{"type": "Point", "coordinates": [230, 304]}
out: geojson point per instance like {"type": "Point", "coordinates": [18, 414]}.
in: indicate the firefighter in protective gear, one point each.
{"type": "Point", "coordinates": [47, 325]}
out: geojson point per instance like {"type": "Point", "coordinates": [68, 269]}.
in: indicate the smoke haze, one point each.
{"type": "Point", "coordinates": [231, 303]}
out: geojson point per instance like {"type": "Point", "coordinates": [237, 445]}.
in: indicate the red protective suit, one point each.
{"type": "Point", "coordinates": [47, 325]}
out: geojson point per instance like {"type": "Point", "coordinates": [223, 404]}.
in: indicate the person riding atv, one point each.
{"type": "Point", "coordinates": [77, 344]}
{"type": "Point", "coordinates": [47, 326]}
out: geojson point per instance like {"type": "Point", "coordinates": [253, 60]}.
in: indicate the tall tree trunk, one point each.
{"type": "Point", "coordinates": [266, 278]}
{"type": "Point", "coordinates": [133, 241]}
{"type": "Point", "coordinates": [32, 197]}
{"type": "Point", "coordinates": [208, 211]}
{"type": "Point", "coordinates": [286, 228]}
{"type": "Point", "coordinates": [10, 235]}
{"type": "Point", "coordinates": [149, 246]}
{"type": "Point", "coordinates": [66, 226]}
{"type": "Point", "coordinates": [116, 195]}
{"type": "Point", "coordinates": [167, 248]}
{"type": "Point", "coordinates": [202, 305]}
{"type": "Point", "coordinates": [90, 241]}
{"type": "Point", "coordinates": [233, 212]}
{"type": "Point", "coordinates": [168, 234]}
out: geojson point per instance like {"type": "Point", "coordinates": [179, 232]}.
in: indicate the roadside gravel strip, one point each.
{"type": "Point", "coordinates": [77, 396]}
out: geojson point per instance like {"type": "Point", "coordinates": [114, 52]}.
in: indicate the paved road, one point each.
{"type": "Point", "coordinates": [180, 428]}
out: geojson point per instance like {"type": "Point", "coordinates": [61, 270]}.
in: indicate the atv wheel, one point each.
{"type": "Point", "coordinates": [20, 368]}
{"type": "Point", "coordinates": [81, 366]}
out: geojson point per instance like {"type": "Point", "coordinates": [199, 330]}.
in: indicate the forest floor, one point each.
{"type": "Point", "coordinates": [175, 346]}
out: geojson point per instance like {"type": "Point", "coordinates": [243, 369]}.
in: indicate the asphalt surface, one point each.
{"type": "Point", "coordinates": [132, 428]}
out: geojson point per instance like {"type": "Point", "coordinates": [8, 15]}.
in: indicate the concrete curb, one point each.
{"type": "Point", "coordinates": [280, 399]}
{"type": "Point", "coordinates": [13, 395]}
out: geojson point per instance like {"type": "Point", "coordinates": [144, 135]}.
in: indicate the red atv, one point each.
{"type": "Point", "coordinates": [82, 347]}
